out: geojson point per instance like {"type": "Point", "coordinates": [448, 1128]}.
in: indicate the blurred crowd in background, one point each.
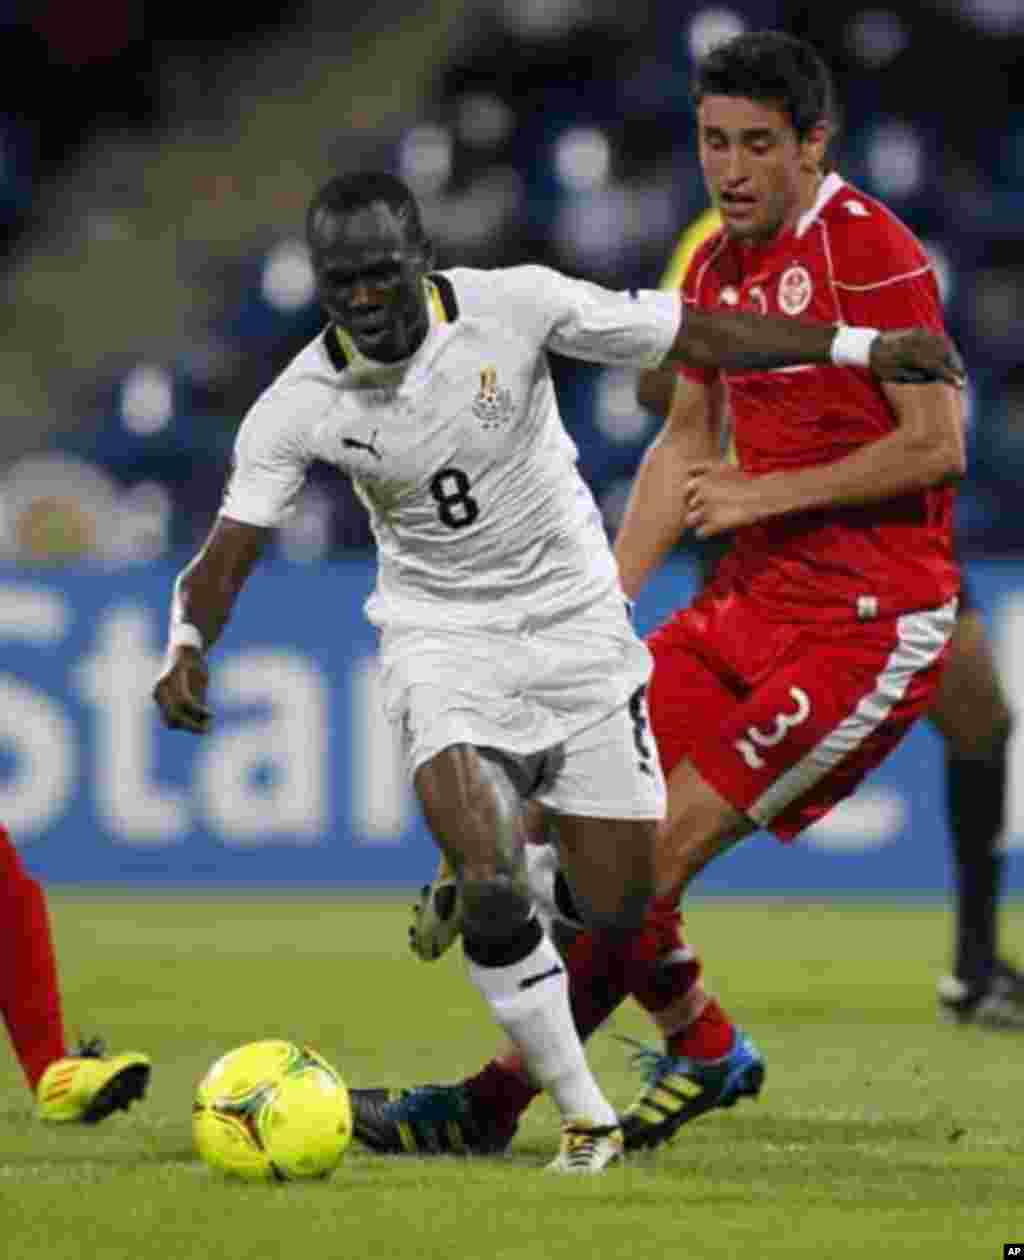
{"type": "Point", "coordinates": [152, 189]}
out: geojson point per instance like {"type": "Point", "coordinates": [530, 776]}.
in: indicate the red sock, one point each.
{"type": "Point", "coordinates": [668, 986]}
{"type": "Point", "coordinates": [596, 987]}
{"type": "Point", "coordinates": [665, 972]}
{"type": "Point", "coordinates": [501, 1092]}
{"type": "Point", "coordinates": [597, 983]}
{"type": "Point", "coordinates": [711, 1034]}
{"type": "Point", "coordinates": [29, 994]}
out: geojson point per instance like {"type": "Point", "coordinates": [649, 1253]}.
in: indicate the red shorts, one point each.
{"type": "Point", "coordinates": [784, 721]}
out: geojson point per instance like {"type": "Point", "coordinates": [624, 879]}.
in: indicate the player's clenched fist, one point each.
{"type": "Point", "coordinates": [720, 497]}
{"type": "Point", "coordinates": [915, 355]}
{"type": "Point", "coordinates": [180, 692]}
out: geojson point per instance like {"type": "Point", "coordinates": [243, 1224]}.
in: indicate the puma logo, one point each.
{"type": "Point", "coordinates": [355, 445]}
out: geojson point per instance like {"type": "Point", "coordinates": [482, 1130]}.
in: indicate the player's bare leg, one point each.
{"type": "Point", "coordinates": [472, 802]}
{"type": "Point", "coordinates": [972, 715]}
{"type": "Point", "coordinates": [609, 864]}
{"type": "Point", "coordinates": [700, 825]}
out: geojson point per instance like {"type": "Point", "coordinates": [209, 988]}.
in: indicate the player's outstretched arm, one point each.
{"type": "Point", "coordinates": [742, 342]}
{"type": "Point", "coordinates": [655, 515]}
{"type": "Point", "coordinates": [203, 598]}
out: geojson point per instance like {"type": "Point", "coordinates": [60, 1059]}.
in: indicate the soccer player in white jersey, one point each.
{"type": "Point", "coordinates": [507, 654]}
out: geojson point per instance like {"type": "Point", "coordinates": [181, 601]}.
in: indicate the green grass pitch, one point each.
{"type": "Point", "coordinates": [880, 1130]}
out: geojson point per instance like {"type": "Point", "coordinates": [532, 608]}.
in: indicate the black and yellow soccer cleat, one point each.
{"type": "Point", "coordinates": [436, 916]}
{"type": "Point", "coordinates": [678, 1090]}
{"type": "Point", "coordinates": [425, 1120]}
{"type": "Point", "coordinates": [90, 1085]}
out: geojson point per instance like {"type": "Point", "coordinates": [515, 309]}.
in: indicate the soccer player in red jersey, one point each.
{"type": "Point", "coordinates": [972, 715]}
{"type": "Point", "coordinates": [84, 1086]}
{"type": "Point", "coordinates": [823, 637]}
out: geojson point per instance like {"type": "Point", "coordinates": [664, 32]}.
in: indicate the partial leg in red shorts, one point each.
{"type": "Point", "coordinates": [85, 1086]}
{"type": "Point", "coordinates": [771, 726]}
{"type": "Point", "coordinates": [29, 993]}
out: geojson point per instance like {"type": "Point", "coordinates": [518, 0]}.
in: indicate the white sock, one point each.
{"type": "Point", "coordinates": [538, 1020]}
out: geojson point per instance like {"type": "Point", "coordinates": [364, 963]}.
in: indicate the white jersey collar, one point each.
{"type": "Point", "coordinates": [830, 185]}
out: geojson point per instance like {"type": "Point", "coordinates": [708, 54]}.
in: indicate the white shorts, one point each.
{"type": "Point", "coordinates": [610, 770]}
{"type": "Point", "coordinates": [562, 690]}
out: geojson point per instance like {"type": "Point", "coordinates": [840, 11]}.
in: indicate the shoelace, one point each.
{"type": "Point", "coordinates": [654, 1066]}
{"type": "Point", "coordinates": [94, 1048]}
{"type": "Point", "coordinates": [581, 1144]}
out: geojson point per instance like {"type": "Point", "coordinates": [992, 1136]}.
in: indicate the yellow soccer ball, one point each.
{"type": "Point", "coordinates": [272, 1111]}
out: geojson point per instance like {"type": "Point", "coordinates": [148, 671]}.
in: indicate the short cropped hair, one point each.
{"type": "Point", "coordinates": [771, 68]}
{"type": "Point", "coordinates": [344, 194]}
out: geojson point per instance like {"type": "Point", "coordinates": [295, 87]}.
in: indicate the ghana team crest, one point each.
{"type": "Point", "coordinates": [795, 289]}
{"type": "Point", "coordinates": [492, 405]}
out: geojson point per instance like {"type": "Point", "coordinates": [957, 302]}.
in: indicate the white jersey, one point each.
{"type": "Point", "coordinates": [459, 452]}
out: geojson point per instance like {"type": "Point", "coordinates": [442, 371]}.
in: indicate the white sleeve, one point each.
{"type": "Point", "coordinates": [586, 321]}
{"type": "Point", "coordinates": [270, 463]}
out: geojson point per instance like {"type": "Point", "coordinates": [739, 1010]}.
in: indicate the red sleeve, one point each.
{"type": "Point", "coordinates": [887, 281]}
{"type": "Point", "coordinates": [689, 291]}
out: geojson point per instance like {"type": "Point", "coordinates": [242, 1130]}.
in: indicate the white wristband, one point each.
{"type": "Point", "coordinates": [184, 634]}
{"type": "Point", "coordinates": [851, 347]}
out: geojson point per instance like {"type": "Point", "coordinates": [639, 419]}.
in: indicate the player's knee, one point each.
{"type": "Point", "coordinates": [492, 905]}
{"type": "Point", "coordinates": [623, 914]}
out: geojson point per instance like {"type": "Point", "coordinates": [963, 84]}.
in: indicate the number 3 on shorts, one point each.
{"type": "Point", "coordinates": [784, 722]}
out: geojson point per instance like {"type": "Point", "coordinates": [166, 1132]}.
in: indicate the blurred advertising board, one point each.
{"type": "Point", "coordinates": [301, 781]}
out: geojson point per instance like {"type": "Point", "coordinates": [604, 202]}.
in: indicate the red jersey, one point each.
{"type": "Point", "coordinates": [848, 260]}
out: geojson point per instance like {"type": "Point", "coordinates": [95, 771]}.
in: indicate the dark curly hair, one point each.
{"type": "Point", "coordinates": [773, 68]}
{"type": "Point", "coordinates": [345, 194]}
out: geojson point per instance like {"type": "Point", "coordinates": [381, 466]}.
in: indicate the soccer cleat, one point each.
{"type": "Point", "coordinates": [997, 1004]}
{"type": "Point", "coordinates": [426, 1120]}
{"type": "Point", "coordinates": [437, 916]}
{"type": "Point", "coordinates": [677, 1090]}
{"type": "Point", "coordinates": [587, 1148]}
{"type": "Point", "coordinates": [88, 1086]}
{"type": "Point", "coordinates": [1010, 978]}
